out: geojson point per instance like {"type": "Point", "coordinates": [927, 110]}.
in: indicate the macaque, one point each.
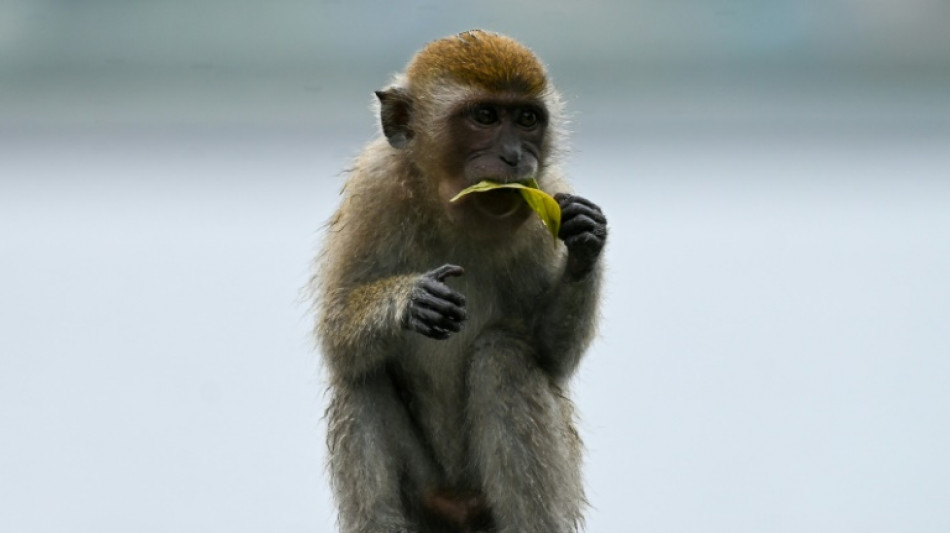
{"type": "Point", "coordinates": [450, 330]}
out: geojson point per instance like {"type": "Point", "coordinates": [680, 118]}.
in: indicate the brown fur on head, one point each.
{"type": "Point", "coordinates": [462, 58]}
{"type": "Point", "coordinates": [454, 72]}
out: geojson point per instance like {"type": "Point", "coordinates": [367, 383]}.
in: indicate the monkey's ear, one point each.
{"type": "Point", "coordinates": [395, 108]}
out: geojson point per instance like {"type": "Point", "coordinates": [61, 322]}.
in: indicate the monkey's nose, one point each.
{"type": "Point", "coordinates": [511, 157]}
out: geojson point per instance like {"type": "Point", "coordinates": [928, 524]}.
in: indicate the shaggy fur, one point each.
{"type": "Point", "coordinates": [487, 409]}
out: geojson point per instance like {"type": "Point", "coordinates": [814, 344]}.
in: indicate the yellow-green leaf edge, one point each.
{"type": "Point", "coordinates": [539, 201]}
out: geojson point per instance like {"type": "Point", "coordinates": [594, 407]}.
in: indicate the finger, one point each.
{"type": "Point", "coordinates": [427, 330]}
{"type": "Point", "coordinates": [569, 201]}
{"type": "Point", "coordinates": [585, 244]}
{"type": "Point", "coordinates": [597, 231]}
{"type": "Point", "coordinates": [579, 224]}
{"type": "Point", "coordinates": [453, 306]}
{"type": "Point", "coordinates": [576, 209]}
{"type": "Point", "coordinates": [444, 308]}
{"type": "Point", "coordinates": [445, 271]}
{"type": "Point", "coordinates": [437, 290]}
{"type": "Point", "coordinates": [585, 240]}
{"type": "Point", "coordinates": [585, 202]}
{"type": "Point", "coordinates": [436, 319]}
{"type": "Point", "coordinates": [563, 198]}
{"type": "Point", "coordinates": [440, 333]}
{"type": "Point", "coordinates": [419, 326]}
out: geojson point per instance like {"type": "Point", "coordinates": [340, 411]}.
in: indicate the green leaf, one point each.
{"type": "Point", "coordinates": [539, 201]}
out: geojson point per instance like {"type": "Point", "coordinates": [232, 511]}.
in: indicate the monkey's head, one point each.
{"type": "Point", "coordinates": [471, 107]}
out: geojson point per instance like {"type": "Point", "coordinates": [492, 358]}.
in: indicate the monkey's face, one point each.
{"type": "Point", "coordinates": [497, 140]}
{"type": "Point", "coordinates": [497, 136]}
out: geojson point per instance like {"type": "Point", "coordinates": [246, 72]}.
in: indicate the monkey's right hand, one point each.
{"type": "Point", "coordinates": [435, 309]}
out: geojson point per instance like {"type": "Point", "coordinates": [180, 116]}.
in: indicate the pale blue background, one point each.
{"type": "Point", "coordinates": [775, 349]}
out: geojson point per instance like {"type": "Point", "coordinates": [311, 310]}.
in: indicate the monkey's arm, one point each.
{"type": "Point", "coordinates": [361, 325]}
{"type": "Point", "coordinates": [568, 324]}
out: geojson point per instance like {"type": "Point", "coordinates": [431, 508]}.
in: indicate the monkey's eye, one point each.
{"type": "Point", "coordinates": [528, 118]}
{"type": "Point", "coordinates": [485, 115]}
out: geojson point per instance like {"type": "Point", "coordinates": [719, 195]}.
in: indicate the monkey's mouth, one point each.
{"type": "Point", "coordinates": [498, 203]}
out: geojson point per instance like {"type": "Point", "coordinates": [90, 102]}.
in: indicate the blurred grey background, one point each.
{"type": "Point", "coordinates": [775, 349]}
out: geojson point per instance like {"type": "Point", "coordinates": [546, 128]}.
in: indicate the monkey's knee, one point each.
{"type": "Point", "coordinates": [512, 403]}
{"type": "Point", "coordinates": [503, 365]}
{"type": "Point", "coordinates": [502, 347]}
{"type": "Point", "coordinates": [522, 438]}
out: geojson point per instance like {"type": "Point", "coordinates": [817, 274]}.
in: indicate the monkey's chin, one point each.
{"type": "Point", "coordinates": [498, 204]}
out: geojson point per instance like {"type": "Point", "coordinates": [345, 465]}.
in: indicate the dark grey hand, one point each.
{"type": "Point", "coordinates": [584, 231]}
{"type": "Point", "coordinates": [435, 309]}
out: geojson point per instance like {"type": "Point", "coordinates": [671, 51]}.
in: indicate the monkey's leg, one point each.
{"type": "Point", "coordinates": [525, 448]}
{"type": "Point", "coordinates": [373, 452]}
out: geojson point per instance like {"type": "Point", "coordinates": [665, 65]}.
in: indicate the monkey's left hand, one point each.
{"type": "Point", "coordinates": [584, 231]}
